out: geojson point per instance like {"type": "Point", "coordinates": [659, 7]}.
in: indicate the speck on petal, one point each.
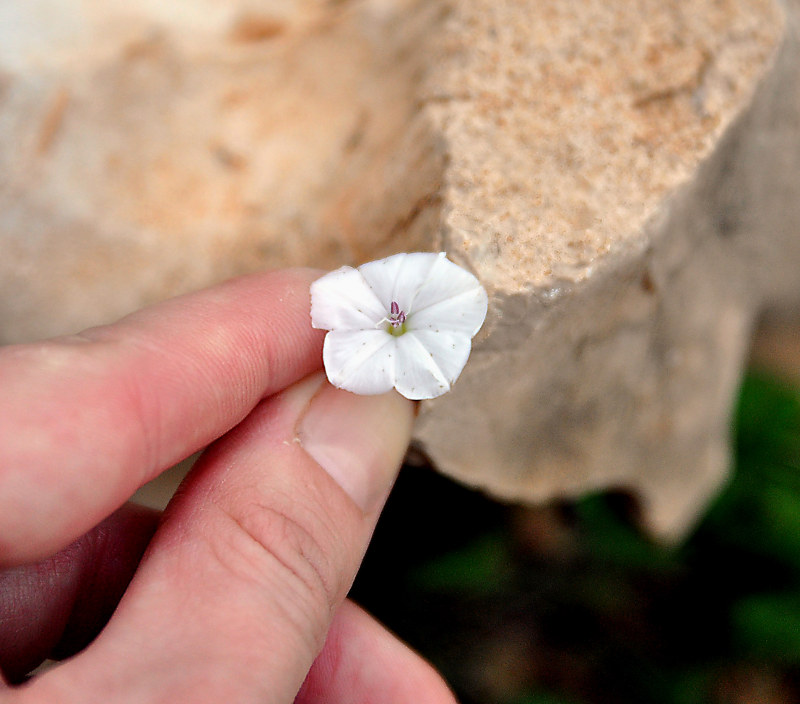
{"type": "Point", "coordinates": [361, 361]}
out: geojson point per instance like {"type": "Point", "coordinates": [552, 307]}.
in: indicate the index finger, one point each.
{"type": "Point", "coordinates": [85, 420]}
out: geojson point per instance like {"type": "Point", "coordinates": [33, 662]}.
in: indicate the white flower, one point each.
{"type": "Point", "coordinates": [405, 322]}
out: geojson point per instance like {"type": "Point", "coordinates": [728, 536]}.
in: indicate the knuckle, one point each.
{"type": "Point", "coordinates": [276, 546]}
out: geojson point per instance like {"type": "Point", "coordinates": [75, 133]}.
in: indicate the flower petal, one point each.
{"type": "Point", "coordinates": [342, 300]}
{"type": "Point", "coordinates": [448, 350]}
{"type": "Point", "coordinates": [417, 376]}
{"type": "Point", "coordinates": [463, 313]}
{"type": "Point", "coordinates": [361, 361]}
{"type": "Point", "coordinates": [456, 295]}
{"type": "Point", "coordinates": [399, 277]}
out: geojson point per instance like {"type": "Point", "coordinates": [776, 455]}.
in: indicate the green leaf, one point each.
{"type": "Point", "coordinates": [483, 567]}
{"type": "Point", "coordinates": [768, 626]}
{"type": "Point", "coordinates": [611, 540]}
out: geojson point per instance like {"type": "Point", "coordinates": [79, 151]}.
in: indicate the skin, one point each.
{"type": "Point", "coordinates": [237, 593]}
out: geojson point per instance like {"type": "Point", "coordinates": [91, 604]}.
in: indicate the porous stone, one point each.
{"type": "Point", "coordinates": [621, 180]}
{"type": "Point", "coordinates": [621, 176]}
{"type": "Point", "coordinates": [151, 148]}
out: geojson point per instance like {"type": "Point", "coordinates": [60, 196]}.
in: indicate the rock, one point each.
{"type": "Point", "coordinates": [621, 179]}
{"type": "Point", "coordinates": [621, 176]}
{"type": "Point", "coordinates": [148, 149]}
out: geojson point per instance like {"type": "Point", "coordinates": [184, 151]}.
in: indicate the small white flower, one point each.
{"type": "Point", "coordinates": [406, 322]}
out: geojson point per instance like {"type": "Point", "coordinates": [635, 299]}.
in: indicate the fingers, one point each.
{"type": "Point", "coordinates": [56, 607]}
{"type": "Point", "coordinates": [233, 600]}
{"type": "Point", "coordinates": [85, 421]}
{"type": "Point", "coordinates": [362, 663]}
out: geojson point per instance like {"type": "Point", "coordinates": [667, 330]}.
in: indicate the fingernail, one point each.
{"type": "Point", "coordinates": [359, 441]}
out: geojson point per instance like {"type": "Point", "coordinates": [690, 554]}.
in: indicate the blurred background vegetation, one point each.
{"type": "Point", "coordinates": [571, 603]}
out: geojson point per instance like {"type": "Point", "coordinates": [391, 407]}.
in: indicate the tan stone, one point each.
{"type": "Point", "coordinates": [611, 181]}
{"type": "Point", "coordinates": [621, 176]}
{"type": "Point", "coordinates": [153, 148]}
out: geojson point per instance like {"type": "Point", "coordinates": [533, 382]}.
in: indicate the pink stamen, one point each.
{"type": "Point", "coordinates": [396, 316]}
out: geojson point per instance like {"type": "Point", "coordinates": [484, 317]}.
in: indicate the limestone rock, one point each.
{"type": "Point", "coordinates": [151, 148]}
{"type": "Point", "coordinates": [621, 180]}
{"type": "Point", "coordinates": [621, 176]}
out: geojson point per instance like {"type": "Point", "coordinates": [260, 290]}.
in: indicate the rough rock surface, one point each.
{"type": "Point", "coordinates": [611, 178]}
{"type": "Point", "coordinates": [621, 176]}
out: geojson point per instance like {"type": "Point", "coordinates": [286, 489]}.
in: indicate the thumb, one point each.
{"type": "Point", "coordinates": [256, 552]}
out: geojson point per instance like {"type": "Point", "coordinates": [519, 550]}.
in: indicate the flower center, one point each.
{"type": "Point", "coordinates": [397, 320]}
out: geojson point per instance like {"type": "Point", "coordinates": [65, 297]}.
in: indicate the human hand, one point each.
{"type": "Point", "coordinates": [247, 571]}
